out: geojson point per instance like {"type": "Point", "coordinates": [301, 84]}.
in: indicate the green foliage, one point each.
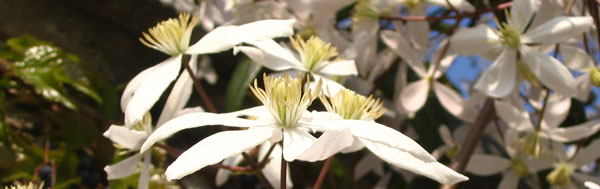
{"type": "Point", "coordinates": [237, 88]}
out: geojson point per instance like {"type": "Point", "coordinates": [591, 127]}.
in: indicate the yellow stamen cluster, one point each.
{"type": "Point", "coordinates": [519, 168]}
{"type": "Point", "coordinates": [561, 175]}
{"type": "Point", "coordinates": [171, 36]}
{"type": "Point", "coordinates": [314, 53]}
{"type": "Point", "coordinates": [510, 36]}
{"type": "Point", "coordinates": [350, 105]}
{"type": "Point", "coordinates": [595, 76]}
{"type": "Point", "coordinates": [28, 186]}
{"type": "Point", "coordinates": [364, 11]}
{"type": "Point", "coordinates": [284, 98]}
{"type": "Point", "coordinates": [145, 124]}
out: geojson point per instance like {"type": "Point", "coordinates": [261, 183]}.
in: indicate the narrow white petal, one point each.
{"type": "Point", "coordinates": [272, 170]}
{"type": "Point", "coordinates": [569, 134]}
{"type": "Point", "coordinates": [130, 139]}
{"type": "Point", "coordinates": [223, 174]}
{"type": "Point", "coordinates": [545, 161]}
{"type": "Point", "coordinates": [414, 96]}
{"type": "Point", "coordinates": [485, 165]}
{"type": "Point", "coordinates": [549, 71]}
{"type": "Point", "coordinates": [521, 13]}
{"type": "Point", "coordinates": [402, 48]}
{"type": "Point", "coordinates": [180, 94]}
{"type": "Point", "coordinates": [558, 29]}
{"type": "Point", "coordinates": [144, 180]}
{"type": "Point", "coordinates": [575, 58]}
{"type": "Point", "coordinates": [134, 84]}
{"type": "Point", "coordinates": [124, 168]}
{"type": "Point", "coordinates": [445, 61]}
{"type": "Point", "coordinates": [440, 151]}
{"type": "Point", "coordinates": [368, 163]}
{"type": "Point", "coordinates": [295, 143]}
{"type": "Point", "coordinates": [151, 89]}
{"type": "Point", "coordinates": [589, 154]}
{"type": "Point", "coordinates": [418, 31]}
{"type": "Point", "coordinates": [586, 178]}
{"type": "Point", "coordinates": [509, 181]}
{"type": "Point", "coordinates": [225, 37]}
{"type": "Point", "coordinates": [328, 144]}
{"type": "Point", "coordinates": [584, 85]}
{"type": "Point", "coordinates": [215, 148]}
{"type": "Point", "coordinates": [591, 185]}
{"type": "Point", "coordinates": [266, 59]}
{"type": "Point", "coordinates": [326, 84]}
{"type": "Point", "coordinates": [342, 67]}
{"type": "Point", "coordinates": [193, 120]}
{"type": "Point", "coordinates": [514, 117]}
{"type": "Point", "coordinates": [499, 80]}
{"type": "Point", "coordinates": [384, 182]}
{"type": "Point", "coordinates": [475, 40]}
{"type": "Point", "coordinates": [405, 160]}
{"type": "Point", "coordinates": [446, 135]}
{"type": "Point", "coordinates": [556, 110]}
{"type": "Point", "coordinates": [458, 4]}
{"type": "Point", "coordinates": [454, 103]}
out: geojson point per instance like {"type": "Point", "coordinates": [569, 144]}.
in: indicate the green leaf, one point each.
{"type": "Point", "coordinates": [243, 74]}
{"type": "Point", "coordinates": [16, 47]}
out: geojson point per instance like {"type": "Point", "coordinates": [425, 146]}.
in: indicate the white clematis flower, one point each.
{"type": "Point", "coordinates": [566, 166]}
{"type": "Point", "coordinates": [283, 117]}
{"type": "Point", "coordinates": [518, 119]}
{"type": "Point", "coordinates": [577, 59]}
{"type": "Point", "coordinates": [388, 144]}
{"type": "Point", "coordinates": [314, 56]}
{"type": "Point", "coordinates": [512, 42]}
{"type": "Point", "coordinates": [172, 37]}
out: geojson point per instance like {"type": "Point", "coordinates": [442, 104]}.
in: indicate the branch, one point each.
{"type": "Point", "coordinates": [458, 15]}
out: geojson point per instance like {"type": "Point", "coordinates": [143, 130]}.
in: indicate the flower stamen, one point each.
{"type": "Point", "coordinates": [350, 105]}
{"type": "Point", "coordinates": [171, 36]}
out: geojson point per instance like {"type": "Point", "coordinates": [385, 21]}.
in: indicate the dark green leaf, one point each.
{"type": "Point", "coordinates": [243, 74]}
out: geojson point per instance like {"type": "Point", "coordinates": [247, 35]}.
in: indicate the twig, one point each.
{"type": "Point", "coordinates": [472, 139]}
{"type": "Point", "coordinates": [283, 177]}
{"type": "Point", "coordinates": [538, 126]}
{"type": "Point", "coordinates": [261, 177]}
{"type": "Point", "coordinates": [458, 15]}
{"type": "Point", "coordinates": [199, 88]}
{"type": "Point", "coordinates": [323, 172]}
{"type": "Point", "coordinates": [593, 8]}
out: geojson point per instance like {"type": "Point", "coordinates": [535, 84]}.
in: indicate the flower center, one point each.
{"type": "Point", "coordinates": [314, 53]}
{"type": "Point", "coordinates": [145, 124]}
{"type": "Point", "coordinates": [561, 175]}
{"type": "Point", "coordinates": [532, 144]}
{"type": "Point", "coordinates": [350, 105]}
{"type": "Point", "coordinates": [595, 76]}
{"type": "Point", "coordinates": [519, 168]}
{"type": "Point", "coordinates": [364, 11]}
{"type": "Point", "coordinates": [284, 98]}
{"type": "Point", "coordinates": [510, 36]}
{"type": "Point", "coordinates": [171, 36]}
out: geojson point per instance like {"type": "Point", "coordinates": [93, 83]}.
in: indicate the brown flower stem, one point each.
{"type": "Point", "coordinates": [538, 126]}
{"type": "Point", "coordinates": [593, 8]}
{"type": "Point", "coordinates": [266, 158]}
{"type": "Point", "coordinates": [323, 172]}
{"type": "Point", "coordinates": [283, 178]}
{"type": "Point", "coordinates": [258, 172]}
{"type": "Point", "coordinates": [199, 88]}
{"type": "Point", "coordinates": [458, 15]}
{"type": "Point", "coordinates": [472, 139]}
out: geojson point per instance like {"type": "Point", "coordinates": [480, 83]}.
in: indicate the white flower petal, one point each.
{"type": "Point", "coordinates": [124, 168]}
{"type": "Point", "coordinates": [558, 29]}
{"type": "Point", "coordinates": [272, 170]}
{"type": "Point", "coordinates": [454, 103]}
{"type": "Point", "coordinates": [272, 51]}
{"type": "Point", "coordinates": [295, 143]}
{"type": "Point", "coordinates": [368, 163]}
{"type": "Point", "coordinates": [584, 85]}
{"type": "Point", "coordinates": [326, 84]}
{"type": "Point", "coordinates": [134, 84]}
{"type": "Point", "coordinates": [414, 96]}
{"type": "Point", "coordinates": [130, 139]}
{"type": "Point", "coordinates": [509, 181]}
{"type": "Point", "coordinates": [499, 80]}
{"type": "Point", "coordinates": [402, 48]}
{"type": "Point", "coordinates": [475, 40]}
{"type": "Point", "coordinates": [150, 90]}
{"type": "Point", "coordinates": [405, 160]}
{"type": "Point", "coordinates": [225, 37]}
{"type": "Point", "coordinates": [196, 119]}
{"type": "Point", "coordinates": [458, 4]}
{"type": "Point", "coordinates": [446, 135]}
{"type": "Point", "coordinates": [589, 154]}
{"type": "Point", "coordinates": [485, 165]}
{"type": "Point", "coordinates": [556, 111]}
{"type": "Point", "coordinates": [180, 94]}
{"type": "Point", "coordinates": [514, 117]}
{"type": "Point", "coordinates": [521, 13]}
{"type": "Point", "coordinates": [545, 161]}
{"type": "Point", "coordinates": [575, 58]}
{"type": "Point", "coordinates": [440, 151]}
{"type": "Point", "coordinates": [549, 71]}
{"type": "Point", "coordinates": [418, 31]}
{"type": "Point", "coordinates": [569, 134]}
{"type": "Point", "coordinates": [263, 58]}
{"type": "Point", "coordinates": [355, 146]}
{"type": "Point", "coordinates": [328, 144]}
{"type": "Point", "coordinates": [144, 180]}
{"type": "Point", "coordinates": [342, 67]}
{"type": "Point", "coordinates": [591, 185]}
{"type": "Point", "coordinates": [385, 181]}
{"type": "Point", "coordinates": [215, 148]}
{"type": "Point", "coordinates": [581, 177]}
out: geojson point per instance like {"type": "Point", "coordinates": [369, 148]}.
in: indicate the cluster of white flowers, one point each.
{"type": "Point", "coordinates": [531, 90]}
